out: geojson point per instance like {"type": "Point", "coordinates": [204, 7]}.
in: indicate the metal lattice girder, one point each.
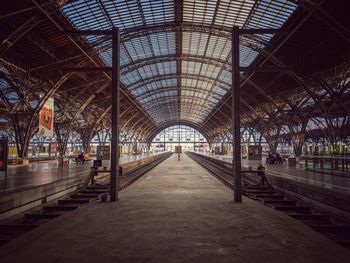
{"type": "Point", "coordinates": [195, 58]}
{"type": "Point", "coordinates": [177, 26]}
{"type": "Point", "coordinates": [175, 60]}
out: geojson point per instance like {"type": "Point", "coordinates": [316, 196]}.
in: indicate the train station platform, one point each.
{"type": "Point", "coordinates": [333, 182]}
{"type": "Point", "coordinates": [326, 192]}
{"type": "Point", "coordinates": [33, 185]}
{"type": "Point", "coordinates": [177, 212]}
{"type": "Point", "coordinates": [44, 172]}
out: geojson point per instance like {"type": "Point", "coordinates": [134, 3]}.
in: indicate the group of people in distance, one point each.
{"type": "Point", "coordinates": [80, 158]}
{"type": "Point", "coordinates": [274, 158]}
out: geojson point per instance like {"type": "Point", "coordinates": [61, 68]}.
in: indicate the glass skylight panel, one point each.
{"type": "Point", "coordinates": [130, 78]}
{"type": "Point", "coordinates": [247, 56]}
{"type": "Point", "coordinates": [167, 68]}
{"type": "Point", "coordinates": [202, 84]}
{"type": "Point", "coordinates": [154, 86]}
{"type": "Point", "coordinates": [232, 13]}
{"type": "Point", "coordinates": [12, 96]}
{"type": "Point", "coordinates": [124, 13]}
{"type": "Point", "coordinates": [160, 98]}
{"type": "Point", "coordinates": [138, 48]}
{"type": "Point", "coordinates": [186, 93]}
{"type": "Point", "coordinates": [190, 67]}
{"type": "Point", "coordinates": [148, 71]}
{"type": "Point", "coordinates": [194, 43]}
{"type": "Point", "coordinates": [210, 70]}
{"type": "Point", "coordinates": [219, 90]}
{"type": "Point", "coordinates": [271, 14]}
{"type": "Point", "coordinates": [205, 85]}
{"type": "Point", "coordinates": [225, 76]}
{"type": "Point", "coordinates": [163, 43]}
{"type": "Point", "coordinates": [218, 47]}
{"type": "Point", "coordinates": [86, 15]}
{"type": "Point", "coordinates": [200, 11]}
{"type": "Point", "coordinates": [158, 11]}
{"type": "Point", "coordinates": [162, 68]}
{"type": "Point", "coordinates": [106, 56]}
{"type": "Point", "coordinates": [212, 100]}
{"type": "Point", "coordinates": [166, 93]}
{"type": "Point", "coordinates": [124, 57]}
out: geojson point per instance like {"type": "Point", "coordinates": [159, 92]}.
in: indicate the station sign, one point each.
{"type": "Point", "coordinates": [103, 152]}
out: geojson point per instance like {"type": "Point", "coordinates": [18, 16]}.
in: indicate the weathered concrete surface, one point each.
{"type": "Point", "coordinates": [176, 213]}
{"type": "Point", "coordinates": [22, 177]}
{"type": "Point", "coordinates": [324, 191]}
{"type": "Point", "coordinates": [20, 199]}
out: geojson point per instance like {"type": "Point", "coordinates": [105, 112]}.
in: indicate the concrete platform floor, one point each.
{"type": "Point", "coordinates": [176, 213]}
{"type": "Point", "coordinates": [38, 173]}
{"type": "Point", "coordinates": [337, 183]}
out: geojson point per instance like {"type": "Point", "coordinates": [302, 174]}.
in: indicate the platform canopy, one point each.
{"type": "Point", "coordinates": [175, 63]}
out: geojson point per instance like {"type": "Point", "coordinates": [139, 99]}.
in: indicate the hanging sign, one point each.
{"type": "Point", "coordinates": [46, 116]}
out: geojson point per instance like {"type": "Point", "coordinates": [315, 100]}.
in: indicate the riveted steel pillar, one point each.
{"type": "Point", "coordinates": [235, 93]}
{"type": "Point", "coordinates": [114, 182]}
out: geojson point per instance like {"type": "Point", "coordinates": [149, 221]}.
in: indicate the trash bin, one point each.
{"type": "Point", "coordinates": [292, 162]}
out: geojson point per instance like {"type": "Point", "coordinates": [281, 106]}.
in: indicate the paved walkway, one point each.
{"type": "Point", "coordinates": [38, 173]}
{"type": "Point", "coordinates": [335, 182]}
{"type": "Point", "coordinates": [176, 213]}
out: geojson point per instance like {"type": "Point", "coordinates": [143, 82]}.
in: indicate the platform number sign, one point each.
{"type": "Point", "coordinates": [3, 154]}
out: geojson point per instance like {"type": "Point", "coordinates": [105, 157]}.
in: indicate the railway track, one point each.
{"type": "Point", "coordinates": [257, 187]}
{"type": "Point", "coordinates": [12, 228]}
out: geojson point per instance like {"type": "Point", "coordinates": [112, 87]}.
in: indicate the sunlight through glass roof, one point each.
{"type": "Point", "coordinates": [177, 64]}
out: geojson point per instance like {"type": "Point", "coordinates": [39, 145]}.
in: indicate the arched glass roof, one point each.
{"type": "Point", "coordinates": [179, 134]}
{"type": "Point", "coordinates": [175, 55]}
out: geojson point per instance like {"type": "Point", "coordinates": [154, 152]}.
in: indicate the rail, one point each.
{"type": "Point", "coordinates": [224, 170]}
{"type": "Point", "coordinates": [257, 187]}
{"type": "Point", "coordinates": [43, 210]}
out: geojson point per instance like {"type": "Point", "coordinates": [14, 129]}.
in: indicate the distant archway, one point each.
{"type": "Point", "coordinates": [188, 137]}
{"type": "Point", "coordinates": [181, 122]}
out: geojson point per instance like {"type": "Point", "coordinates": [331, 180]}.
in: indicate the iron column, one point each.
{"type": "Point", "coordinates": [114, 182]}
{"type": "Point", "coordinates": [235, 94]}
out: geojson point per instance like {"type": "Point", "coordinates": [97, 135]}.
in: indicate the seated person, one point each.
{"type": "Point", "coordinates": [270, 158]}
{"type": "Point", "coordinates": [80, 158]}
{"type": "Point", "coordinates": [279, 159]}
